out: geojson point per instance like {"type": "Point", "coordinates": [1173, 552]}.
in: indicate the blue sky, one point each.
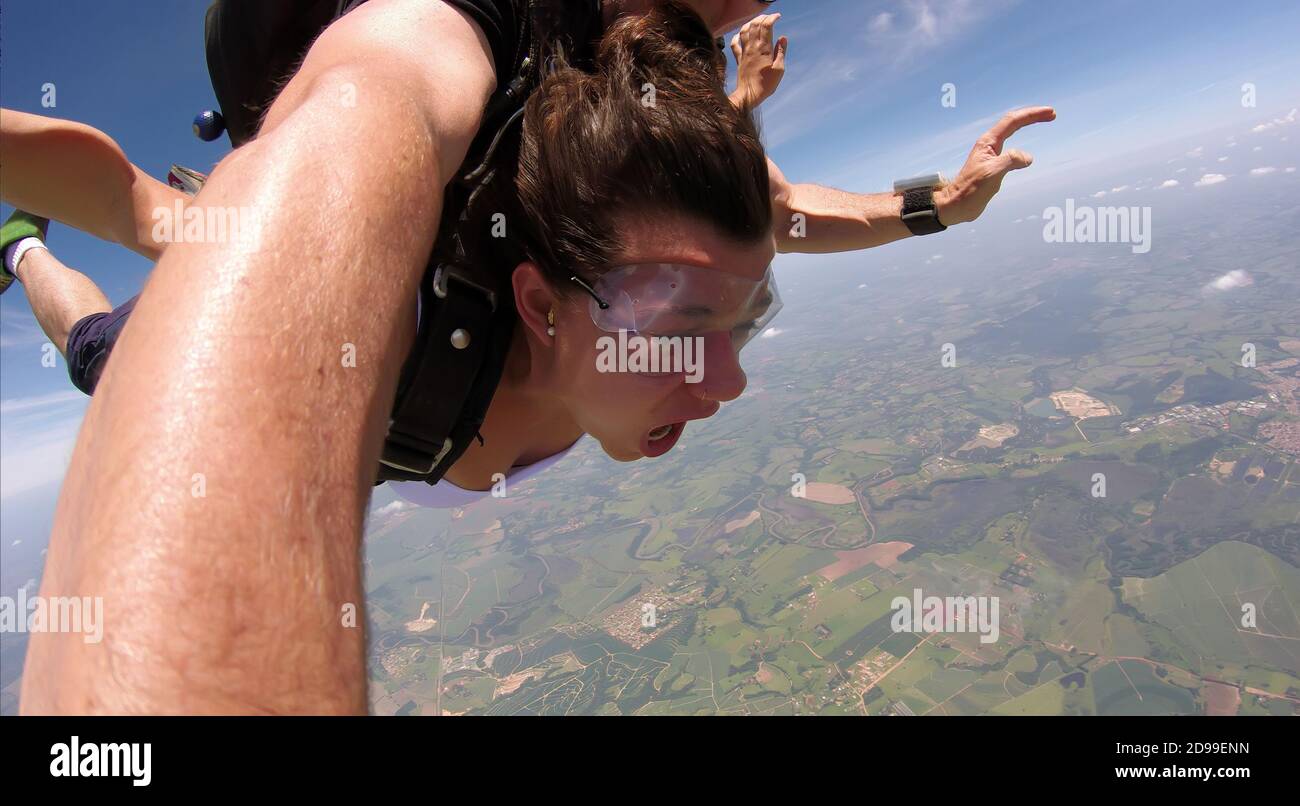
{"type": "Point", "coordinates": [860, 106]}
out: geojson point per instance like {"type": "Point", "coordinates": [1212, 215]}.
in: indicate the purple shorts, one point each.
{"type": "Point", "coordinates": [91, 340]}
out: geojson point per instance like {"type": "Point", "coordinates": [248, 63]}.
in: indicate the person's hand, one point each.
{"type": "Point", "coordinates": [760, 64]}
{"type": "Point", "coordinates": [965, 198]}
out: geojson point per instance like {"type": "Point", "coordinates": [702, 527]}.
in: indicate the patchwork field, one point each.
{"type": "Point", "coordinates": [1098, 462]}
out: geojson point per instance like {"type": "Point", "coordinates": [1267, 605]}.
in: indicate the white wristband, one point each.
{"type": "Point", "coordinates": [24, 246]}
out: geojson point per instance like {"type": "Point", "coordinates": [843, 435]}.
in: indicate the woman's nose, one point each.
{"type": "Point", "coordinates": [718, 375]}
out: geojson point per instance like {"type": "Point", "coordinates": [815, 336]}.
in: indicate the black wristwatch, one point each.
{"type": "Point", "coordinates": [920, 213]}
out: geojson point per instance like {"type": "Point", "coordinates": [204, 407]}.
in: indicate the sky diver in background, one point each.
{"type": "Point", "coordinates": [234, 351]}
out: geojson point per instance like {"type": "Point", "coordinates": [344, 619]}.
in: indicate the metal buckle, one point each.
{"type": "Point", "coordinates": [445, 270]}
{"type": "Point", "coordinates": [402, 463]}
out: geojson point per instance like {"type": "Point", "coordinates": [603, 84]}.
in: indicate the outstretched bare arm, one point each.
{"type": "Point", "coordinates": [813, 218]}
{"type": "Point", "coordinates": [218, 490]}
{"type": "Point", "coordinates": [76, 174]}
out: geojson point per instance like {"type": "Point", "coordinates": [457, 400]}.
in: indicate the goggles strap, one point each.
{"type": "Point", "coordinates": [585, 287]}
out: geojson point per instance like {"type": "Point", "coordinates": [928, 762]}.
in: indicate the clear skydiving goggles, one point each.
{"type": "Point", "coordinates": [667, 299]}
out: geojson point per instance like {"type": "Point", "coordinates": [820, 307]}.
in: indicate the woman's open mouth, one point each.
{"type": "Point", "coordinates": [660, 440]}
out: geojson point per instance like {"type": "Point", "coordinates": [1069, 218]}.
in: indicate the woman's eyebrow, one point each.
{"type": "Point", "coordinates": [692, 310]}
{"type": "Point", "coordinates": [701, 311]}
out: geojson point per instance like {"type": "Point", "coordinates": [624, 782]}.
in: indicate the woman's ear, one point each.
{"type": "Point", "coordinates": [534, 299]}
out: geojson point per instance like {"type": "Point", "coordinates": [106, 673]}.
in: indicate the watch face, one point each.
{"type": "Point", "coordinates": [912, 183]}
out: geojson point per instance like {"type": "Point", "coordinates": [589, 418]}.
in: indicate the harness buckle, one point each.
{"type": "Point", "coordinates": [412, 460]}
{"type": "Point", "coordinates": [447, 271]}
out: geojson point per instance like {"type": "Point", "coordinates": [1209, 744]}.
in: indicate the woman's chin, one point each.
{"type": "Point", "coordinates": [619, 452]}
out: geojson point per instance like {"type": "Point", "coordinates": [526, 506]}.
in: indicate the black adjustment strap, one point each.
{"type": "Point", "coordinates": [440, 373]}
{"type": "Point", "coordinates": [467, 317]}
{"type": "Point", "coordinates": [920, 213]}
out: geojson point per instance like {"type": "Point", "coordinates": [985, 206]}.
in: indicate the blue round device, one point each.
{"type": "Point", "coordinates": [209, 125]}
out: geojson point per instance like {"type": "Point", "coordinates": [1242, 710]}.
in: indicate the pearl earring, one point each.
{"type": "Point", "coordinates": [550, 320]}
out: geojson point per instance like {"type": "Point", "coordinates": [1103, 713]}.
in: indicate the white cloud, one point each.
{"type": "Point", "coordinates": [18, 405]}
{"type": "Point", "coordinates": [1099, 194]}
{"type": "Point", "coordinates": [1119, 189]}
{"type": "Point", "coordinates": [20, 330]}
{"type": "Point", "coordinates": [1196, 152]}
{"type": "Point", "coordinates": [1210, 179]}
{"type": "Point", "coordinates": [890, 44]}
{"type": "Point", "coordinates": [927, 22]}
{"type": "Point", "coordinates": [1223, 159]}
{"type": "Point", "coordinates": [1233, 279]}
{"type": "Point", "coordinates": [32, 461]}
{"type": "Point", "coordinates": [1267, 169]}
{"type": "Point", "coordinates": [1168, 183]}
{"type": "Point", "coordinates": [38, 433]}
{"type": "Point", "coordinates": [392, 508]}
{"type": "Point", "coordinates": [771, 333]}
{"type": "Point", "coordinates": [923, 24]}
{"type": "Point", "coordinates": [1287, 120]}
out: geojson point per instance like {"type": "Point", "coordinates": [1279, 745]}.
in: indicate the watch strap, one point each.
{"type": "Point", "coordinates": [920, 213]}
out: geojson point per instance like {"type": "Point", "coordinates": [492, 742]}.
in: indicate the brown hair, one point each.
{"type": "Point", "coordinates": [595, 150]}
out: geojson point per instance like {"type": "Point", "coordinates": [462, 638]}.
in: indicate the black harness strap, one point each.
{"type": "Point", "coordinates": [467, 314]}
{"type": "Point", "coordinates": [452, 373]}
